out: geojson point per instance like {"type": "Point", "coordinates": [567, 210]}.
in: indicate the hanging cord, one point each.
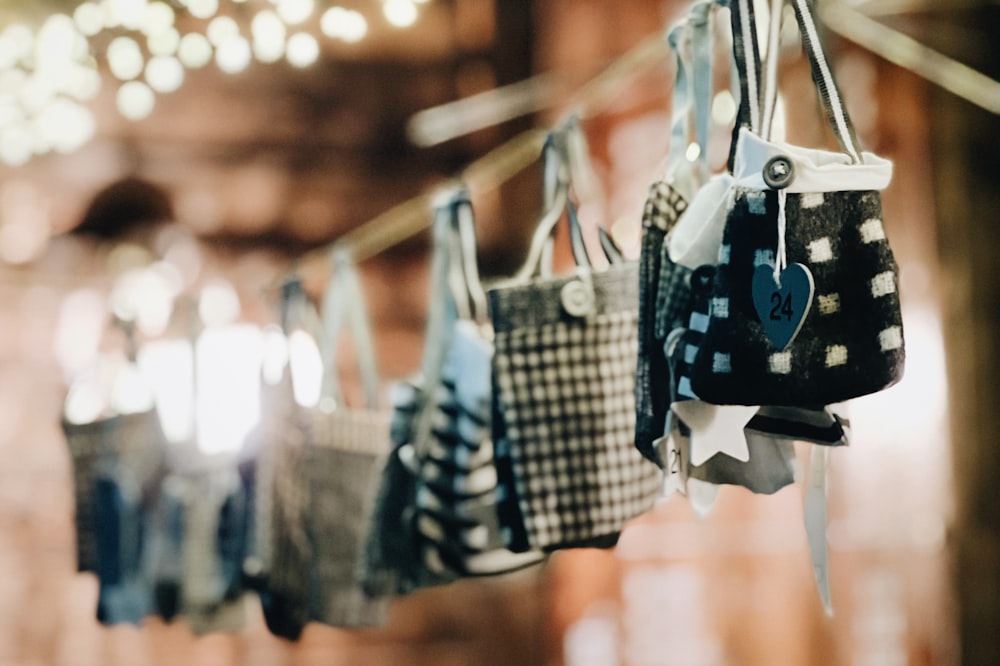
{"type": "Point", "coordinates": [537, 93]}
{"type": "Point", "coordinates": [492, 169]}
{"type": "Point", "coordinates": [411, 217]}
{"type": "Point", "coordinates": [781, 256]}
{"type": "Point", "coordinates": [906, 52]}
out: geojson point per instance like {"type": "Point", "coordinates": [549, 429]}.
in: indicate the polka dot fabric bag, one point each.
{"type": "Point", "coordinates": [805, 305]}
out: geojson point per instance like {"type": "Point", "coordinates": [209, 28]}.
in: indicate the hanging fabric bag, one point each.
{"type": "Point", "coordinates": [564, 375]}
{"type": "Point", "coordinates": [805, 306]}
{"type": "Point", "coordinates": [347, 448]}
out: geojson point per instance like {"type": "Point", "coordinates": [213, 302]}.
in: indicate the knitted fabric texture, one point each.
{"type": "Point", "coordinates": [347, 448]}
{"type": "Point", "coordinates": [132, 442]}
{"type": "Point", "coordinates": [658, 293]}
{"type": "Point", "coordinates": [851, 342]}
{"type": "Point", "coordinates": [565, 404]}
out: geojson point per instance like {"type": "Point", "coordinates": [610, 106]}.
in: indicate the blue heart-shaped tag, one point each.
{"type": "Point", "coordinates": [782, 308]}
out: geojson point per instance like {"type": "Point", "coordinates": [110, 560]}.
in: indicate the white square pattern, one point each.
{"type": "Point", "coordinates": [872, 231]}
{"type": "Point", "coordinates": [891, 338]}
{"type": "Point", "coordinates": [820, 250]}
{"type": "Point", "coordinates": [780, 363]}
{"type": "Point", "coordinates": [756, 202]}
{"type": "Point", "coordinates": [836, 355]}
{"type": "Point", "coordinates": [811, 200]}
{"type": "Point", "coordinates": [724, 251]}
{"type": "Point", "coordinates": [721, 364]}
{"type": "Point", "coordinates": [720, 308]}
{"type": "Point", "coordinates": [828, 303]}
{"type": "Point", "coordinates": [883, 284]}
{"type": "Point", "coordinates": [764, 257]}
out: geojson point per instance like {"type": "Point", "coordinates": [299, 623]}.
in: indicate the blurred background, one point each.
{"type": "Point", "coordinates": [155, 155]}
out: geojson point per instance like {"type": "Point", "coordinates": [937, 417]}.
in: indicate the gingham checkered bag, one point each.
{"type": "Point", "coordinates": [805, 307]}
{"type": "Point", "coordinates": [346, 450]}
{"type": "Point", "coordinates": [131, 444]}
{"type": "Point", "coordinates": [564, 391]}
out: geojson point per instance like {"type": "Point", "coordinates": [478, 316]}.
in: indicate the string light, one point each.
{"type": "Point", "coordinates": [293, 12]}
{"type": "Point", "coordinates": [164, 43]}
{"type": "Point", "coordinates": [125, 58]}
{"type": "Point", "coordinates": [157, 18]}
{"type": "Point", "coordinates": [46, 77]}
{"type": "Point", "coordinates": [268, 36]}
{"type": "Point", "coordinates": [400, 13]}
{"type": "Point", "coordinates": [125, 13]}
{"type": "Point", "coordinates": [303, 50]}
{"type": "Point", "coordinates": [345, 24]}
{"type": "Point", "coordinates": [164, 74]}
{"type": "Point", "coordinates": [89, 18]}
{"type": "Point", "coordinates": [221, 29]}
{"type": "Point", "coordinates": [203, 9]}
{"type": "Point", "coordinates": [135, 100]}
{"type": "Point", "coordinates": [194, 50]}
{"type": "Point", "coordinates": [233, 55]}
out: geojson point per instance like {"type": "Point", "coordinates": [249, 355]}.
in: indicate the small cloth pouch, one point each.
{"type": "Point", "coordinates": [282, 493]}
{"type": "Point", "coordinates": [126, 589]}
{"type": "Point", "coordinates": [125, 444]}
{"type": "Point", "coordinates": [458, 493]}
{"type": "Point", "coordinates": [664, 289]}
{"type": "Point", "coordinates": [442, 429]}
{"type": "Point", "coordinates": [212, 549]}
{"type": "Point", "coordinates": [128, 447]}
{"type": "Point", "coordinates": [564, 386]}
{"type": "Point", "coordinates": [346, 450]}
{"type": "Point", "coordinates": [805, 305]}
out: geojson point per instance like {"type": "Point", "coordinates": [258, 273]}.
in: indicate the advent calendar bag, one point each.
{"type": "Point", "coordinates": [346, 450]}
{"type": "Point", "coordinates": [805, 304]}
{"type": "Point", "coordinates": [564, 375]}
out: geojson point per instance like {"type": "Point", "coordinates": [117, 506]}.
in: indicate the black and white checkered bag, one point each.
{"type": "Point", "coordinates": [564, 373]}
{"type": "Point", "coordinates": [805, 307]}
{"type": "Point", "coordinates": [661, 299]}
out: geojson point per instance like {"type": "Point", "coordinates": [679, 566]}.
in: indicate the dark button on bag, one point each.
{"type": "Point", "coordinates": [779, 172]}
{"type": "Point", "coordinates": [577, 298]}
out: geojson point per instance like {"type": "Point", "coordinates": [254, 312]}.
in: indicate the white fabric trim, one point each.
{"type": "Point", "coordinates": [815, 170]}
{"type": "Point", "coordinates": [697, 236]}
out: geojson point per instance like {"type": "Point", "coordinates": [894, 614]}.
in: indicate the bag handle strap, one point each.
{"type": "Point", "coordinates": [746, 53]}
{"type": "Point", "coordinates": [466, 286]}
{"type": "Point", "coordinates": [443, 308]}
{"type": "Point", "coordinates": [701, 25]}
{"type": "Point", "coordinates": [343, 308]}
{"type": "Point", "coordinates": [833, 105]}
{"type": "Point", "coordinates": [564, 155]}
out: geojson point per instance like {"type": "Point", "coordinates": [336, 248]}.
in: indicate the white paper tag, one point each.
{"type": "Point", "coordinates": [815, 519]}
{"type": "Point", "coordinates": [675, 462]}
{"type": "Point", "coordinates": [715, 429]}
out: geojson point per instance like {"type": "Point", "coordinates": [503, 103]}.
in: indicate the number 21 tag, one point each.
{"type": "Point", "coordinates": [782, 308]}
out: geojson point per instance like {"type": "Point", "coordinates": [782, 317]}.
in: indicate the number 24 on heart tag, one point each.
{"type": "Point", "coordinates": [782, 305]}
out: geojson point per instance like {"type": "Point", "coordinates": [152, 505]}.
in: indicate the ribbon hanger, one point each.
{"type": "Point", "coordinates": [342, 307]}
